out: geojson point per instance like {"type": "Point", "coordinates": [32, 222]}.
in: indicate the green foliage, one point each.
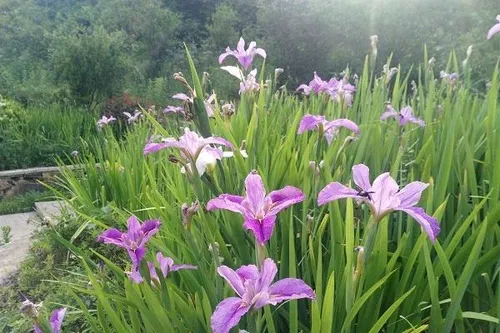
{"type": "Point", "coordinates": [41, 135]}
{"type": "Point", "coordinates": [409, 283]}
{"type": "Point", "coordinates": [90, 62]}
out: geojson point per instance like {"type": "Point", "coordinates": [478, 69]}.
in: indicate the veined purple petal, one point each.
{"type": "Point", "coordinates": [224, 55]}
{"type": "Point", "coordinates": [262, 229]}
{"type": "Point", "coordinates": [305, 89]}
{"type": "Point", "coordinates": [493, 31]}
{"type": "Point", "coordinates": [289, 289]}
{"type": "Point", "coordinates": [133, 226]}
{"type": "Point", "coordinates": [228, 314]}
{"type": "Point", "coordinates": [335, 191]}
{"type": "Point", "coordinates": [37, 329]}
{"type": "Point", "coordinates": [350, 125]}
{"type": "Point", "coordinates": [229, 202]}
{"type": "Point", "coordinates": [255, 194]}
{"type": "Point", "coordinates": [388, 114]}
{"type": "Point", "coordinates": [284, 198]}
{"type": "Point", "coordinates": [135, 276]}
{"type": "Point", "coordinates": [245, 60]}
{"type": "Point", "coordinates": [383, 198]}
{"type": "Point", "coordinates": [233, 278]}
{"type": "Point", "coordinates": [240, 47]}
{"type": "Point", "coordinates": [309, 122]}
{"type": "Point", "coordinates": [136, 255]}
{"type": "Point", "coordinates": [56, 319]}
{"type": "Point", "coordinates": [361, 176]}
{"type": "Point", "coordinates": [168, 143]}
{"type": "Point", "coordinates": [218, 141]}
{"type": "Point", "coordinates": [165, 263]}
{"type": "Point", "coordinates": [260, 299]}
{"type": "Point", "coordinates": [268, 271]}
{"type": "Point", "coordinates": [112, 236]}
{"type": "Point", "coordinates": [149, 228]}
{"type": "Point", "coordinates": [152, 271]}
{"type": "Point", "coordinates": [428, 223]}
{"type": "Point", "coordinates": [248, 272]}
{"type": "Point", "coordinates": [411, 193]}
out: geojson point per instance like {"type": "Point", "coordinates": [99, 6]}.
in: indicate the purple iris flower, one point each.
{"type": "Point", "coordinates": [166, 265]}
{"type": "Point", "coordinates": [404, 116]}
{"type": "Point", "coordinates": [104, 121]}
{"type": "Point", "coordinates": [133, 240]}
{"type": "Point", "coordinates": [329, 128]}
{"type": "Point", "coordinates": [255, 290]}
{"type": "Point", "coordinates": [173, 109]}
{"type": "Point", "coordinates": [316, 85]}
{"type": "Point", "coordinates": [494, 29]}
{"type": "Point", "coordinates": [383, 197]}
{"type": "Point", "coordinates": [258, 209]}
{"type": "Point", "coordinates": [338, 90]}
{"type": "Point", "coordinates": [245, 57]}
{"type": "Point", "coordinates": [190, 145]}
{"type": "Point", "coordinates": [56, 319]}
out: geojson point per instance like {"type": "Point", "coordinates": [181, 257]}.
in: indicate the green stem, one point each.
{"type": "Point", "coordinates": [261, 253]}
{"type": "Point", "coordinates": [369, 241]}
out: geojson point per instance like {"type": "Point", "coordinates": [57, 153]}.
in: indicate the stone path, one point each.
{"type": "Point", "coordinates": [22, 228]}
{"type": "Point", "coordinates": [13, 253]}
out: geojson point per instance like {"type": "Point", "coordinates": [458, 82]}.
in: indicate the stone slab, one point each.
{"type": "Point", "coordinates": [49, 211]}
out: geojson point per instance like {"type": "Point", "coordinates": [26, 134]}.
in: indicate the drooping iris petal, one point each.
{"type": "Point", "coordinates": [494, 29]}
{"type": "Point", "coordinates": [56, 319]}
{"type": "Point", "coordinates": [309, 122]}
{"type": "Point", "coordinates": [411, 193]}
{"type": "Point", "coordinates": [228, 202]}
{"type": "Point", "coordinates": [262, 229]}
{"type": "Point", "coordinates": [335, 191]}
{"type": "Point", "coordinates": [428, 223]}
{"type": "Point", "coordinates": [228, 314]}
{"type": "Point", "coordinates": [112, 236]}
{"type": "Point", "coordinates": [350, 125]}
{"type": "Point", "coordinates": [284, 198]}
{"type": "Point", "coordinates": [289, 289]}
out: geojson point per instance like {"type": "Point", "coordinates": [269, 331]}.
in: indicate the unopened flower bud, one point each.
{"type": "Point", "coordinates": [30, 309]}
{"type": "Point", "coordinates": [173, 159]}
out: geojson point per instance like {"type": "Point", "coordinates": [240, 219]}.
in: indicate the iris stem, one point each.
{"type": "Point", "coordinates": [261, 253]}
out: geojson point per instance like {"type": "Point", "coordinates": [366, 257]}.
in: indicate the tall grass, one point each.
{"type": "Point", "coordinates": [410, 285]}
{"type": "Point", "coordinates": [40, 136]}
